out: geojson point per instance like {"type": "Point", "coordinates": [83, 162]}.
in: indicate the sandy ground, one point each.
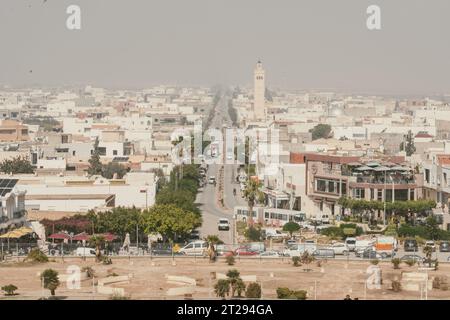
{"type": "Point", "coordinates": [333, 280]}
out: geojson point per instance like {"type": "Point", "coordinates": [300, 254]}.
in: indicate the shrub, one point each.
{"type": "Point", "coordinates": [396, 263]}
{"type": "Point", "coordinates": [396, 286]}
{"type": "Point", "coordinates": [230, 260]}
{"type": "Point", "coordinates": [283, 293]}
{"type": "Point", "coordinates": [374, 261]}
{"type": "Point", "coordinates": [286, 293]}
{"type": "Point", "coordinates": [37, 255]}
{"type": "Point", "coordinates": [306, 258]}
{"type": "Point", "coordinates": [296, 261]}
{"type": "Point", "coordinates": [106, 260]}
{"type": "Point", "coordinates": [9, 289]}
{"type": "Point", "coordinates": [119, 297]}
{"type": "Point", "coordinates": [300, 294]}
{"type": "Point", "coordinates": [113, 274]}
{"type": "Point", "coordinates": [410, 262]}
{"type": "Point", "coordinates": [253, 291]}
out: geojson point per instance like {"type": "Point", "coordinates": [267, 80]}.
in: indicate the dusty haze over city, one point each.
{"type": "Point", "coordinates": [304, 44]}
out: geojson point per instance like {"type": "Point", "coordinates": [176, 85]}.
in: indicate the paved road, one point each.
{"type": "Point", "coordinates": [207, 198]}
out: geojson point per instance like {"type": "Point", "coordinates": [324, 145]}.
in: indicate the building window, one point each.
{"type": "Point", "coordinates": [372, 194]}
{"type": "Point", "coordinates": [427, 175]}
{"type": "Point", "coordinates": [358, 193]}
{"type": "Point", "coordinates": [114, 152]}
{"type": "Point", "coordinates": [321, 185]}
{"type": "Point", "coordinates": [380, 195]}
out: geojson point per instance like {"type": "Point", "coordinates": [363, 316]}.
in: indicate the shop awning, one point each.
{"type": "Point", "coordinates": [16, 234]}
{"type": "Point", "coordinates": [59, 236]}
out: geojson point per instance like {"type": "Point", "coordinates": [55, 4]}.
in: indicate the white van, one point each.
{"type": "Point", "coordinates": [195, 248]}
{"type": "Point", "coordinates": [85, 252]}
{"type": "Point", "coordinates": [296, 250]}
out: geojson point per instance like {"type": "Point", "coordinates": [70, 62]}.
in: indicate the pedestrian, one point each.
{"type": "Point", "coordinates": [347, 297]}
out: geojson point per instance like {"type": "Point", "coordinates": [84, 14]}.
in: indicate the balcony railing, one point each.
{"type": "Point", "coordinates": [381, 180]}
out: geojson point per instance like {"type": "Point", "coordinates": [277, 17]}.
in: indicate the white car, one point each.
{"type": "Point", "coordinates": [339, 249]}
{"type": "Point", "coordinates": [270, 254]}
{"type": "Point", "coordinates": [223, 224]}
{"type": "Point", "coordinates": [85, 252]}
{"type": "Point", "coordinates": [298, 249]}
{"type": "Point", "coordinates": [195, 248]}
{"type": "Point", "coordinates": [212, 180]}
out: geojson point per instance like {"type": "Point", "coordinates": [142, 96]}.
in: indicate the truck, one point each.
{"type": "Point", "coordinates": [386, 246]}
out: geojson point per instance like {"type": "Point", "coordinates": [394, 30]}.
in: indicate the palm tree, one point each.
{"type": "Point", "coordinates": [253, 195]}
{"type": "Point", "coordinates": [222, 288]}
{"type": "Point", "coordinates": [234, 279]}
{"type": "Point", "coordinates": [98, 242]}
{"type": "Point", "coordinates": [50, 280]}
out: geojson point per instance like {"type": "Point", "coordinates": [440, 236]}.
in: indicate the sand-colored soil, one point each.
{"type": "Point", "coordinates": [333, 280]}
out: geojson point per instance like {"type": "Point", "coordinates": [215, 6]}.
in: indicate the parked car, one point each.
{"type": "Point", "coordinates": [413, 257]}
{"type": "Point", "coordinates": [371, 254]}
{"type": "Point", "coordinates": [298, 249]}
{"type": "Point", "coordinates": [444, 246]}
{"type": "Point", "coordinates": [223, 224]}
{"type": "Point", "coordinates": [431, 244]}
{"type": "Point", "coordinates": [290, 242]}
{"type": "Point", "coordinates": [245, 251]}
{"type": "Point", "coordinates": [410, 245]}
{"type": "Point", "coordinates": [270, 254]}
{"type": "Point", "coordinates": [195, 235]}
{"type": "Point", "coordinates": [339, 248]}
{"type": "Point", "coordinates": [195, 248]}
{"type": "Point", "coordinates": [163, 249]}
{"type": "Point", "coordinates": [324, 254]}
{"type": "Point", "coordinates": [85, 252]}
{"type": "Point", "coordinates": [359, 252]}
{"type": "Point", "coordinates": [275, 234]}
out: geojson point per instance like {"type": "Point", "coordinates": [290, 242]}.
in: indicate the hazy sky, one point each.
{"type": "Point", "coordinates": [303, 44]}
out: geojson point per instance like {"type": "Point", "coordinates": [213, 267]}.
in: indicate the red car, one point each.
{"type": "Point", "coordinates": [244, 251]}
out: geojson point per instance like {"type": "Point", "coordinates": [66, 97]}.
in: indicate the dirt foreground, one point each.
{"type": "Point", "coordinates": [148, 278]}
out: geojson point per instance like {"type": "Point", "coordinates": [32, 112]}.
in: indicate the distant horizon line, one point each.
{"type": "Point", "coordinates": [365, 92]}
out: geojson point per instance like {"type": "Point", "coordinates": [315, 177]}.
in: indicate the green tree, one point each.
{"type": "Point", "coordinates": [408, 145]}
{"type": "Point", "coordinates": [291, 227]}
{"type": "Point", "coordinates": [321, 131]}
{"type": "Point", "coordinates": [170, 221]}
{"type": "Point", "coordinates": [222, 288]}
{"type": "Point", "coordinates": [50, 280]}
{"type": "Point", "coordinates": [182, 198]}
{"type": "Point", "coordinates": [19, 164]}
{"type": "Point", "coordinates": [118, 221]}
{"type": "Point", "coordinates": [253, 234]}
{"type": "Point", "coordinates": [112, 168]}
{"type": "Point", "coordinates": [252, 195]}
{"type": "Point", "coordinates": [98, 242]}
{"type": "Point", "coordinates": [95, 166]}
{"type": "Point", "coordinates": [432, 228]}
{"type": "Point", "coordinates": [236, 283]}
{"type": "Point", "coordinates": [9, 290]}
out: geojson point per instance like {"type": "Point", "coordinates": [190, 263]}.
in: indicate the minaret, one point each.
{"type": "Point", "coordinates": [259, 110]}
